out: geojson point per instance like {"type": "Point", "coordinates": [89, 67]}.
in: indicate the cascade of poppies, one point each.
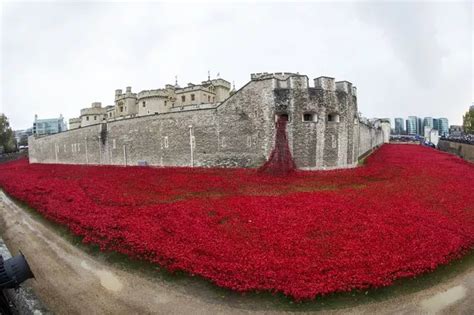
{"type": "Point", "coordinates": [280, 161]}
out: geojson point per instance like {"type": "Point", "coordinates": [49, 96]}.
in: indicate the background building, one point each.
{"type": "Point", "coordinates": [442, 126]}
{"type": "Point", "coordinates": [436, 123]}
{"type": "Point", "coordinates": [171, 98]}
{"type": "Point", "coordinates": [419, 127]}
{"type": "Point", "coordinates": [412, 125]}
{"type": "Point", "coordinates": [48, 126]}
{"type": "Point", "coordinates": [455, 131]}
{"type": "Point", "coordinates": [428, 122]}
{"type": "Point", "coordinates": [21, 136]}
{"type": "Point", "coordinates": [399, 129]}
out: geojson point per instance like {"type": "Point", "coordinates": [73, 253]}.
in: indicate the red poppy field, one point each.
{"type": "Point", "coordinates": [406, 211]}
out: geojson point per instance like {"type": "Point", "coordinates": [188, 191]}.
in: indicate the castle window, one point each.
{"type": "Point", "coordinates": [95, 117]}
{"type": "Point", "coordinates": [183, 98]}
{"type": "Point", "coordinates": [166, 103]}
{"type": "Point", "coordinates": [87, 117]}
{"type": "Point", "coordinates": [213, 99]}
{"type": "Point", "coordinates": [121, 109]}
{"type": "Point", "coordinates": [310, 117]}
{"type": "Point", "coordinates": [208, 98]}
{"type": "Point", "coordinates": [333, 117]}
{"type": "Point", "coordinates": [143, 104]}
{"type": "Point", "coordinates": [192, 97]}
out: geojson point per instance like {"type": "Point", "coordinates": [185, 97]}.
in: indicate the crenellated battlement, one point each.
{"type": "Point", "coordinates": [153, 93]}
{"type": "Point", "coordinates": [344, 86]}
{"type": "Point", "coordinates": [286, 80]}
{"type": "Point", "coordinates": [330, 84]}
{"type": "Point", "coordinates": [92, 111]}
{"type": "Point", "coordinates": [128, 93]}
{"type": "Point", "coordinates": [96, 105]}
{"type": "Point", "coordinates": [325, 83]}
{"type": "Point", "coordinates": [276, 75]}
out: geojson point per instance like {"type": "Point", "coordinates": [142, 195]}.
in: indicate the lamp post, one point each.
{"type": "Point", "coordinates": [100, 151]}
{"type": "Point", "coordinates": [87, 158]}
{"type": "Point", "coordinates": [191, 144]}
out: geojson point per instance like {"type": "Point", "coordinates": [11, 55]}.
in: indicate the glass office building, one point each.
{"type": "Point", "coordinates": [399, 129]}
{"type": "Point", "coordinates": [48, 126]}
{"type": "Point", "coordinates": [428, 122]}
{"type": "Point", "coordinates": [412, 125]}
{"type": "Point", "coordinates": [443, 126]}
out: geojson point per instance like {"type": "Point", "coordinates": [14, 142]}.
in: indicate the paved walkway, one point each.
{"type": "Point", "coordinates": [70, 281]}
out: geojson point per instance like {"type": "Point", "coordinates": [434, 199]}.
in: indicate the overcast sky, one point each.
{"type": "Point", "coordinates": [405, 58]}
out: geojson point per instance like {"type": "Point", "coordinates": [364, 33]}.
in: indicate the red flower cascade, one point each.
{"type": "Point", "coordinates": [408, 210]}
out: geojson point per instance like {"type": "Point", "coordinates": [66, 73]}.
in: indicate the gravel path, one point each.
{"type": "Point", "coordinates": [70, 281]}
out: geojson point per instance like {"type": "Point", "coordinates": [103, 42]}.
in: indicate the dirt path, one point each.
{"type": "Point", "coordinates": [70, 281]}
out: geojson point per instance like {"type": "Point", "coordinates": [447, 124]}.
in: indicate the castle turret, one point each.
{"type": "Point", "coordinates": [125, 104]}
{"type": "Point", "coordinates": [344, 86]}
{"type": "Point", "coordinates": [325, 83]}
{"type": "Point", "coordinates": [91, 115]}
{"type": "Point", "coordinates": [221, 89]}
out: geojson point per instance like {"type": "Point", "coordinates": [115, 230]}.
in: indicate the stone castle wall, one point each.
{"type": "Point", "coordinates": [238, 133]}
{"type": "Point", "coordinates": [463, 150]}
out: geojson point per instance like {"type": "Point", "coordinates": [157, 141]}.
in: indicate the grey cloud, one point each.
{"type": "Point", "coordinates": [411, 31]}
{"type": "Point", "coordinates": [405, 58]}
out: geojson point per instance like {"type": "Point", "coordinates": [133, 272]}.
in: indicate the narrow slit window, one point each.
{"type": "Point", "coordinates": [309, 117]}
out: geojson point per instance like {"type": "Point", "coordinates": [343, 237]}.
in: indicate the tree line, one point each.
{"type": "Point", "coordinates": [7, 138]}
{"type": "Point", "coordinates": [468, 121]}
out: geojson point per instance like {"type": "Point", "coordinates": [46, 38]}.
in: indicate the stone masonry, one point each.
{"type": "Point", "coordinates": [324, 130]}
